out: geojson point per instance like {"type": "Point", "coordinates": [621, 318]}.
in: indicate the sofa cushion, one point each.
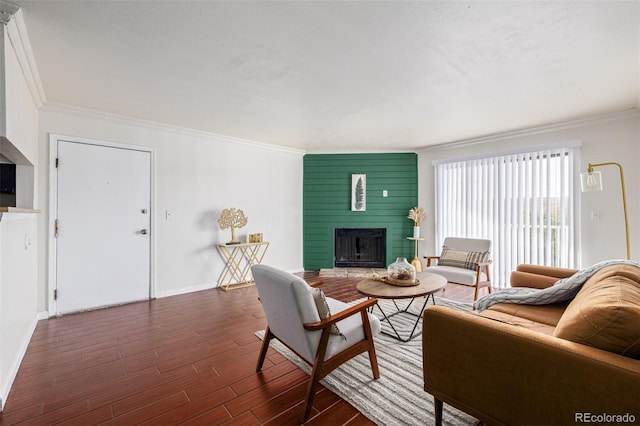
{"type": "Point", "coordinates": [606, 312]}
{"type": "Point", "coordinates": [462, 258]}
{"type": "Point", "coordinates": [544, 314]}
{"type": "Point", "coordinates": [457, 275]}
{"type": "Point", "coordinates": [518, 321]}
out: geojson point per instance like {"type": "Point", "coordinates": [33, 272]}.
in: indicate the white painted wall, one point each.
{"type": "Point", "coordinates": [612, 138]}
{"type": "Point", "coordinates": [197, 175]}
{"type": "Point", "coordinates": [18, 259]}
{"type": "Point", "coordinates": [18, 294]}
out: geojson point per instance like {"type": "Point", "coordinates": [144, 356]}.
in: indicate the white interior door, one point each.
{"type": "Point", "coordinates": [103, 246]}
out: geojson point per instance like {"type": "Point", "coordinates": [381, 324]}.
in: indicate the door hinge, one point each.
{"type": "Point", "coordinates": [56, 228]}
{"type": "Point", "coordinates": [55, 294]}
{"type": "Point", "coordinates": [57, 162]}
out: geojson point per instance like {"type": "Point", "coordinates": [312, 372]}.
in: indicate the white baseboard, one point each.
{"type": "Point", "coordinates": [13, 371]}
{"type": "Point", "coordinates": [184, 290]}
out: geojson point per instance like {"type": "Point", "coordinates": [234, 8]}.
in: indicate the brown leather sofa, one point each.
{"type": "Point", "coordinates": [534, 365]}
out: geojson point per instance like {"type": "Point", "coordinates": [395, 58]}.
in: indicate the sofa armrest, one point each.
{"type": "Point", "coordinates": [550, 271]}
{"type": "Point", "coordinates": [538, 276]}
{"type": "Point", "coordinates": [503, 374]}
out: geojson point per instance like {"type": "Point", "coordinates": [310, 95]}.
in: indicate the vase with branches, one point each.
{"type": "Point", "coordinates": [416, 214]}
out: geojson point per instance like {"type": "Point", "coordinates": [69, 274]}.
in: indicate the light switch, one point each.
{"type": "Point", "coordinates": [385, 193]}
{"type": "Point", "coordinates": [168, 214]}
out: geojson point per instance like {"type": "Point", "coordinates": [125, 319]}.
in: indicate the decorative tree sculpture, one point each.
{"type": "Point", "coordinates": [232, 218]}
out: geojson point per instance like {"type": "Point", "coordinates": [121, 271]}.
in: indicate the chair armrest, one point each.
{"type": "Point", "coordinates": [430, 258]}
{"type": "Point", "coordinates": [480, 265]}
{"type": "Point", "coordinates": [476, 364]}
{"type": "Point", "coordinates": [339, 316]}
{"type": "Point", "coordinates": [316, 283]}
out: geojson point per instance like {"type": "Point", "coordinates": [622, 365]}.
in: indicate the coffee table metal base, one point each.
{"type": "Point", "coordinates": [387, 317]}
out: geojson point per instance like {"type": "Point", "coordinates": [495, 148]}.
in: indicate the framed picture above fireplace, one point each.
{"type": "Point", "coordinates": [358, 192]}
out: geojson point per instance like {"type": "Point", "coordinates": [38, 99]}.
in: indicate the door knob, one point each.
{"type": "Point", "coordinates": [143, 232]}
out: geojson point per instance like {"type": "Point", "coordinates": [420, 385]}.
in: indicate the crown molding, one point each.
{"type": "Point", "coordinates": [153, 125]}
{"type": "Point", "coordinates": [7, 10]}
{"type": "Point", "coordinates": [598, 119]}
{"type": "Point", "coordinates": [19, 39]}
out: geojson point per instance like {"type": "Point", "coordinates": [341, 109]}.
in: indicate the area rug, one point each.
{"type": "Point", "coordinates": [397, 398]}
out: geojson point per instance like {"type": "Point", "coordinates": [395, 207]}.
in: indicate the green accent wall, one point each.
{"type": "Point", "coordinates": [327, 202]}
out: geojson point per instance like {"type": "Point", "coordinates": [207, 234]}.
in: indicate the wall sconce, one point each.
{"type": "Point", "coordinates": [592, 181]}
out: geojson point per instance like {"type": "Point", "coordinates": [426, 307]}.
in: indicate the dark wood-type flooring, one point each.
{"type": "Point", "coordinates": [187, 359]}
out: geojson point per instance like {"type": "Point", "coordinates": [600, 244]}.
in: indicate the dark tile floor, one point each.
{"type": "Point", "coordinates": [187, 359]}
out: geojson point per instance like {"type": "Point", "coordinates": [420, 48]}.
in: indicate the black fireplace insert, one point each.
{"type": "Point", "coordinates": [360, 247]}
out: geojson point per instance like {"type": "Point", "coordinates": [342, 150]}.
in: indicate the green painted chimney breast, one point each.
{"type": "Point", "coordinates": [327, 203]}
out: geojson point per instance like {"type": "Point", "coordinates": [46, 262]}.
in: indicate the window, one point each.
{"type": "Point", "coordinates": [523, 203]}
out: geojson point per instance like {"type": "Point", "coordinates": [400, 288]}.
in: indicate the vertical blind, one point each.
{"type": "Point", "coordinates": [523, 203]}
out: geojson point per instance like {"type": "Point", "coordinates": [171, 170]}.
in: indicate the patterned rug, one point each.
{"type": "Point", "coordinates": [397, 397]}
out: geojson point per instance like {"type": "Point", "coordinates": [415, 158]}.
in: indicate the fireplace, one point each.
{"type": "Point", "coordinates": [360, 247]}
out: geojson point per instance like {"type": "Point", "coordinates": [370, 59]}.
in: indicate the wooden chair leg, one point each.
{"type": "Point", "coordinates": [311, 392]}
{"type": "Point", "coordinates": [477, 286]}
{"type": "Point", "coordinates": [265, 346]}
{"type": "Point", "coordinates": [487, 282]}
{"type": "Point", "coordinates": [437, 408]}
{"type": "Point", "coordinates": [373, 359]}
{"type": "Point", "coordinates": [317, 373]}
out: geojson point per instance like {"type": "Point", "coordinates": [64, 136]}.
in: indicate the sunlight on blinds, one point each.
{"type": "Point", "coordinates": [523, 203]}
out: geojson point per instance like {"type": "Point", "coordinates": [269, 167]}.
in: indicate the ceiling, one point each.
{"type": "Point", "coordinates": [340, 75]}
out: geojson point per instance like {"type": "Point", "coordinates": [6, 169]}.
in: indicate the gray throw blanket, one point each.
{"type": "Point", "coordinates": [561, 291]}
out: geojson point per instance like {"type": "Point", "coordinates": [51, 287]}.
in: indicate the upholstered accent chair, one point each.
{"type": "Point", "coordinates": [322, 331]}
{"type": "Point", "coordinates": [463, 261]}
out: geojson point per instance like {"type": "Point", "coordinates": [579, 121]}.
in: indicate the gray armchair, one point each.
{"type": "Point", "coordinates": [463, 261]}
{"type": "Point", "coordinates": [294, 318]}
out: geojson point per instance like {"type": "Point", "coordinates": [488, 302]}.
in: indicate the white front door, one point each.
{"type": "Point", "coordinates": [103, 249]}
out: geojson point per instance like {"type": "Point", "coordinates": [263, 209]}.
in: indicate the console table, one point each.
{"type": "Point", "coordinates": [239, 258]}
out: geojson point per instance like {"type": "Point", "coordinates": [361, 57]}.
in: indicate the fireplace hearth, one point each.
{"type": "Point", "coordinates": [360, 247]}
